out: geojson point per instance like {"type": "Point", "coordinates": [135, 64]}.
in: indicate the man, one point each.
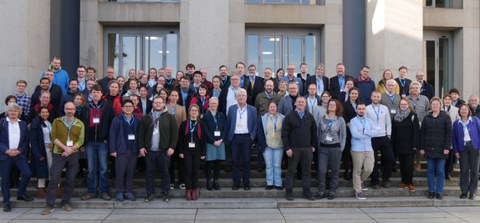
{"type": "Point", "coordinates": [299, 136]}
{"type": "Point", "coordinates": [67, 136]}
{"type": "Point", "coordinates": [390, 99]}
{"type": "Point", "coordinates": [268, 75]}
{"type": "Point", "coordinates": [365, 85]}
{"type": "Point", "coordinates": [47, 85]}
{"type": "Point", "coordinates": [69, 96]}
{"type": "Point", "coordinates": [91, 74]}
{"type": "Point", "coordinates": [419, 102]}
{"type": "Point", "coordinates": [403, 81]}
{"type": "Point", "coordinates": [290, 77]}
{"type": "Point", "coordinates": [255, 84]}
{"type": "Point", "coordinates": [161, 72]}
{"type": "Point", "coordinates": [157, 139]}
{"type": "Point", "coordinates": [60, 77]}
{"type": "Point", "coordinates": [81, 79]}
{"type": "Point", "coordinates": [186, 92]}
{"type": "Point", "coordinates": [13, 151]}
{"type": "Point", "coordinates": [228, 96]}
{"type": "Point", "coordinates": [225, 83]}
{"type": "Point", "coordinates": [244, 80]}
{"type": "Point", "coordinates": [23, 99]}
{"type": "Point", "coordinates": [97, 116]}
{"type": "Point", "coordinates": [132, 76]}
{"type": "Point", "coordinates": [473, 104]}
{"type": "Point", "coordinates": [380, 116]}
{"type": "Point", "coordinates": [104, 81]}
{"type": "Point", "coordinates": [190, 68]}
{"type": "Point", "coordinates": [303, 75]}
{"type": "Point", "coordinates": [242, 129]}
{"type": "Point", "coordinates": [204, 79]}
{"type": "Point", "coordinates": [312, 98]}
{"type": "Point", "coordinates": [287, 103]}
{"type": "Point", "coordinates": [264, 98]}
{"type": "Point", "coordinates": [319, 80]}
{"type": "Point", "coordinates": [170, 82]}
{"type": "Point", "coordinates": [362, 130]}
{"type": "Point", "coordinates": [140, 73]}
{"type": "Point", "coordinates": [337, 83]}
{"type": "Point", "coordinates": [426, 88]}
{"type": "Point", "coordinates": [197, 81]}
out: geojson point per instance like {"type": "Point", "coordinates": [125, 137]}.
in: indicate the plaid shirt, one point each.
{"type": "Point", "coordinates": [24, 101]}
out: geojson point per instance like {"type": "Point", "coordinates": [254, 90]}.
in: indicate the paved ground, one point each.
{"type": "Point", "coordinates": [303, 215]}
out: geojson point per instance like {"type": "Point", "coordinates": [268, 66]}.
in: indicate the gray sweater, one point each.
{"type": "Point", "coordinates": [332, 132]}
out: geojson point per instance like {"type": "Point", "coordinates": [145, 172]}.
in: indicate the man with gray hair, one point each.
{"type": "Point", "coordinates": [390, 99]}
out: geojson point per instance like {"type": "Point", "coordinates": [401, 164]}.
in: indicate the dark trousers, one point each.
{"type": "Point", "coordinates": [328, 157]}
{"type": "Point", "coordinates": [177, 164]}
{"type": "Point", "coordinates": [191, 163]}
{"type": "Point", "coordinates": [382, 145]}
{"type": "Point", "coordinates": [449, 163]}
{"type": "Point", "coordinates": [154, 161]}
{"type": "Point", "coordinates": [260, 159]}
{"type": "Point", "coordinates": [58, 163]}
{"type": "Point", "coordinates": [406, 167]}
{"type": "Point", "coordinates": [5, 167]}
{"type": "Point", "coordinates": [125, 169]}
{"type": "Point", "coordinates": [469, 169]}
{"type": "Point", "coordinates": [302, 156]}
{"type": "Point", "coordinates": [212, 165]}
{"type": "Point", "coordinates": [241, 146]}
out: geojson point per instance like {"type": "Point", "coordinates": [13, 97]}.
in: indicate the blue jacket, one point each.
{"type": "Point", "coordinates": [210, 126]}
{"type": "Point", "coordinates": [298, 81]}
{"type": "Point", "coordinates": [262, 130]}
{"type": "Point", "coordinates": [473, 130]}
{"type": "Point", "coordinates": [366, 88]}
{"type": "Point", "coordinates": [232, 120]}
{"type": "Point", "coordinates": [60, 78]}
{"type": "Point", "coordinates": [4, 143]}
{"type": "Point", "coordinates": [362, 142]}
{"type": "Point", "coordinates": [37, 144]}
{"type": "Point", "coordinates": [119, 131]}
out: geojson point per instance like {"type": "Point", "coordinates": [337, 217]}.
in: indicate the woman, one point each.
{"type": "Point", "coordinates": [137, 109]}
{"type": "Point", "coordinates": [143, 80]}
{"type": "Point", "coordinates": [382, 84]}
{"type": "Point", "coordinates": [435, 144]}
{"type": "Point", "coordinates": [41, 147]}
{"type": "Point", "coordinates": [324, 99]}
{"type": "Point", "coordinates": [88, 92]}
{"type": "Point", "coordinates": [466, 144]}
{"type": "Point", "coordinates": [201, 99]}
{"type": "Point", "coordinates": [405, 141]}
{"type": "Point", "coordinates": [332, 134]}
{"type": "Point", "coordinates": [280, 74]}
{"type": "Point", "coordinates": [152, 78]}
{"type": "Point", "coordinates": [144, 102]}
{"type": "Point", "coordinates": [114, 97]}
{"type": "Point", "coordinates": [79, 101]}
{"type": "Point", "coordinates": [10, 99]}
{"type": "Point", "coordinates": [180, 116]}
{"type": "Point", "coordinates": [349, 84]}
{"type": "Point", "coordinates": [214, 122]}
{"type": "Point", "coordinates": [349, 112]}
{"type": "Point", "coordinates": [270, 141]}
{"type": "Point", "coordinates": [217, 87]}
{"type": "Point", "coordinates": [121, 83]}
{"type": "Point", "coordinates": [132, 89]}
{"type": "Point", "coordinates": [192, 150]}
{"type": "Point", "coordinates": [282, 86]}
{"type": "Point", "coordinates": [452, 111]}
{"type": "Point", "coordinates": [123, 147]}
{"type": "Point", "coordinates": [179, 75]}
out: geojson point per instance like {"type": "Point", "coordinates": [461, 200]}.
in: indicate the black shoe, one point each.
{"type": "Point", "coordinates": [246, 187]}
{"type": "Point", "coordinates": [463, 196]}
{"type": "Point", "coordinates": [216, 185]}
{"type": "Point", "coordinates": [278, 187]}
{"type": "Point", "coordinates": [439, 196]}
{"type": "Point", "coordinates": [447, 177]}
{"type": "Point", "coordinates": [319, 195]}
{"type": "Point", "coordinates": [472, 197]}
{"type": "Point", "coordinates": [347, 175]}
{"type": "Point", "coordinates": [24, 198]}
{"type": "Point", "coordinates": [386, 183]}
{"type": "Point", "coordinates": [209, 185]}
{"type": "Point", "coordinates": [166, 197]}
{"type": "Point", "coordinates": [308, 196]}
{"type": "Point", "coordinates": [289, 195]}
{"type": "Point", "coordinates": [431, 195]}
{"type": "Point", "coordinates": [235, 187]}
{"type": "Point", "coordinates": [331, 196]}
{"type": "Point", "coordinates": [268, 187]}
{"type": "Point", "coordinates": [6, 208]}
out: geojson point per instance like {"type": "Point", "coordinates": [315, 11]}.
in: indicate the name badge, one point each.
{"type": "Point", "coordinates": [69, 143]}
{"type": "Point", "coordinates": [131, 137]}
{"type": "Point", "coordinates": [403, 95]}
{"type": "Point", "coordinates": [155, 131]}
{"type": "Point", "coordinates": [275, 136]}
{"type": "Point", "coordinates": [393, 111]}
{"type": "Point", "coordinates": [328, 138]}
{"type": "Point", "coordinates": [239, 125]}
{"type": "Point", "coordinates": [96, 120]}
{"type": "Point", "coordinates": [216, 133]}
{"type": "Point", "coordinates": [378, 128]}
{"type": "Point", "coordinates": [191, 145]}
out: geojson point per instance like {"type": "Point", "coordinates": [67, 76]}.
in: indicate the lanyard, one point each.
{"type": "Point", "coordinates": [330, 123]}
{"type": "Point", "coordinates": [465, 125]}
{"type": "Point", "coordinates": [203, 101]}
{"type": "Point", "coordinates": [402, 82]}
{"type": "Point", "coordinates": [169, 81]}
{"type": "Point", "coordinates": [241, 112]}
{"type": "Point", "coordinates": [192, 129]}
{"type": "Point", "coordinates": [234, 92]}
{"type": "Point", "coordinates": [156, 117]}
{"type": "Point", "coordinates": [130, 123]}
{"type": "Point", "coordinates": [311, 103]}
{"type": "Point", "coordinates": [377, 112]}
{"type": "Point", "coordinates": [173, 109]}
{"type": "Point", "coordinates": [362, 121]}
{"type": "Point", "coordinates": [68, 125]}
{"type": "Point", "coordinates": [215, 120]}
{"type": "Point", "coordinates": [224, 81]}
{"type": "Point", "coordinates": [274, 123]}
{"type": "Point", "coordinates": [49, 126]}
{"type": "Point", "coordinates": [414, 102]}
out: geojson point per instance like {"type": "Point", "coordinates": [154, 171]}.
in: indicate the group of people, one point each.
{"type": "Point", "coordinates": [165, 123]}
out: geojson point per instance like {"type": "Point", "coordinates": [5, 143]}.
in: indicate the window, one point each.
{"type": "Point", "coordinates": [162, 1]}
{"type": "Point", "coordinates": [455, 4]}
{"type": "Point", "coordinates": [277, 51]}
{"type": "Point", "coordinates": [297, 2]}
{"type": "Point", "coordinates": [131, 49]}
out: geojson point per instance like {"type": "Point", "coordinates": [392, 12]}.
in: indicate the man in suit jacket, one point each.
{"type": "Point", "coordinates": [426, 88]}
{"type": "Point", "coordinates": [287, 104]}
{"type": "Point", "coordinates": [255, 84]}
{"type": "Point", "coordinates": [319, 80]}
{"type": "Point", "coordinates": [303, 75]}
{"type": "Point", "coordinates": [242, 128]}
{"type": "Point", "coordinates": [390, 99]}
{"type": "Point", "coordinates": [104, 81]}
{"type": "Point", "coordinates": [225, 82]}
{"type": "Point", "coordinates": [170, 82]}
{"type": "Point", "coordinates": [290, 77]}
{"type": "Point", "coordinates": [228, 96]}
{"type": "Point", "coordinates": [337, 83]}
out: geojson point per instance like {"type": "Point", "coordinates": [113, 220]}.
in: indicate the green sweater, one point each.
{"type": "Point", "coordinates": [168, 132]}
{"type": "Point", "coordinates": [60, 132]}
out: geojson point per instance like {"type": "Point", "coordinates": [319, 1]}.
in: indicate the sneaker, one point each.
{"type": "Point", "coordinates": [47, 210]}
{"type": "Point", "coordinates": [472, 197]}
{"type": "Point", "coordinates": [105, 197]}
{"type": "Point", "coordinates": [182, 186]}
{"type": "Point", "coordinates": [166, 197]}
{"type": "Point", "coordinates": [87, 197]}
{"type": "Point", "coordinates": [364, 188]}
{"type": "Point", "coordinates": [360, 196]}
{"type": "Point", "coordinates": [411, 188]}
{"type": "Point", "coordinates": [150, 197]}
{"type": "Point", "coordinates": [129, 196]}
{"type": "Point", "coordinates": [119, 196]}
{"type": "Point", "coordinates": [172, 186]}
{"type": "Point", "coordinates": [67, 207]}
{"type": "Point", "coordinates": [319, 195]}
{"type": "Point", "coordinates": [402, 186]}
{"type": "Point", "coordinates": [278, 187]}
{"type": "Point", "coordinates": [308, 196]}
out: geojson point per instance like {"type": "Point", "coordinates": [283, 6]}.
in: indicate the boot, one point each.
{"type": "Point", "coordinates": [188, 195]}
{"type": "Point", "coordinates": [289, 195]}
{"type": "Point", "coordinates": [194, 194]}
{"type": "Point", "coordinates": [41, 192]}
{"type": "Point", "coordinates": [216, 185]}
{"type": "Point", "coordinates": [209, 184]}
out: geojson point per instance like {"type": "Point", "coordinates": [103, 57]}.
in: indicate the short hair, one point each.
{"type": "Point", "coordinates": [21, 82]}
{"type": "Point", "coordinates": [268, 81]}
{"type": "Point", "coordinates": [121, 77]}
{"type": "Point", "coordinates": [402, 67]}
{"type": "Point", "coordinates": [56, 58]}
{"type": "Point", "coordinates": [414, 83]}
{"type": "Point", "coordinates": [293, 82]}
{"type": "Point", "coordinates": [91, 68]}
{"type": "Point", "coordinates": [365, 66]}
{"type": "Point", "coordinates": [303, 64]}
{"type": "Point", "coordinates": [282, 81]}
{"type": "Point", "coordinates": [133, 95]}
{"type": "Point", "coordinates": [376, 92]}
{"type": "Point", "coordinates": [14, 106]}
{"type": "Point", "coordinates": [320, 65]}
{"type": "Point", "coordinates": [349, 79]}
{"type": "Point", "coordinates": [113, 82]}
{"type": "Point", "coordinates": [242, 91]}
{"type": "Point", "coordinates": [252, 65]}
{"type": "Point", "coordinates": [454, 90]}
{"type": "Point", "coordinates": [44, 92]}
{"type": "Point", "coordinates": [158, 97]}
{"type": "Point", "coordinates": [447, 96]}
{"type": "Point", "coordinates": [469, 110]}
{"type": "Point", "coordinates": [44, 78]}
{"type": "Point", "coordinates": [190, 65]}
{"type": "Point", "coordinates": [197, 72]}
{"type": "Point", "coordinates": [268, 68]}
{"type": "Point", "coordinates": [338, 64]}
{"type": "Point", "coordinates": [71, 80]}
{"type": "Point", "coordinates": [97, 87]}
{"type": "Point", "coordinates": [203, 86]}
{"type": "Point", "coordinates": [81, 66]}
{"type": "Point", "coordinates": [217, 77]}
{"type": "Point", "coordinates": [222, 66]}
{"type": "Point", "coordinates": [391, 80]}
{"type": "Point", "coordinates": [236, 65]}
{"type": "Point", "coordinates": [193, 106]}
{"type": "Point", "coordinates": [360, 103]}
{"type": "Point", "coordinates": [185, 78]}
{"type": "Point", "coordinates": [7, 99]}
{"type": "Point", "coordinates": [125, 101]}
{"type": "Point", "coordinates": [212, 99]}
{"type": "Point", "coordinates": [436, 99]}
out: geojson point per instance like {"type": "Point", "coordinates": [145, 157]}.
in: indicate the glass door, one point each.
{"type": "Point", "coordinates": [438, 61]}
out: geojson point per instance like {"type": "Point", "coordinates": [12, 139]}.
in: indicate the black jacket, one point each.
{"type": "Point", "coordinates": [405, 89]}
{"type": "Point", "coordinates": [190, 95]}
{"type": "Point", "coordinates": [334, 88]}
{"type": "Point", "coordinates": [299, 133]}
{"type": "Point", "coordinates": [104, 83]}
{"type": "Point", "coordinates": [405, 135]}
{"type": "Point", "coordinates": [436, 135]}
{"type": "Point", "coordinates": [313, 80]}
{"type": "Point", "coordinates": [101, 132]}
{"type": "Point", "coordinates": [55, 96]}
{"type": "Point", "coordinates": [258, 87]}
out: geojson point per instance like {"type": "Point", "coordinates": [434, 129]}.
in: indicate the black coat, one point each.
{"type": "Point", "coordinates": [100, 132]}
{"type": "Point", "coordinates": [55, 96]}
{"type": "Point", "coordinates": [334, 88]}
{"type": "Point", "coordinates": [38, 149]}
{"type": "Point", "coordinates": [313, 80]}
{"type": "Point", "coordinates": [404, 90]}
{"type": "Point", "coordinates": [258, 87]}
{"type": "Point", "coordinates": [190, 95]}
{"type": "Point", "coordinates": [436, 135]}
{"type": "Point", "coordinates": [405, 135]}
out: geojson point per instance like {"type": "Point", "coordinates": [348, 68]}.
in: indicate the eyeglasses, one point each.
{"type": "Point", "coordinates": [128, 106]}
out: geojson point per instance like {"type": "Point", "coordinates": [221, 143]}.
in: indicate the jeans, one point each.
{"type": "Point", "coordinates": [97, 157]}
{"type": "Point", "coordinates": [436, 167]}
{"type": "Point", "coordinates": [157, 161]}
{"type": "Point", "coordinates": [273, 162]}
{"type": "Point", "coordinates": [5, 167]}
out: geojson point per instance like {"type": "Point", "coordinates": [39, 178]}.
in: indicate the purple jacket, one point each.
{"type": "Point", "coordinates": [473, 129]}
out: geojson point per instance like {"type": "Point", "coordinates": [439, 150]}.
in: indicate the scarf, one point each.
{"type": "Point", "coordinates": [401, 115]}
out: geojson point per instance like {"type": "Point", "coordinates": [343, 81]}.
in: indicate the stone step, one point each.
{"type": "Point", "coordinates": [259, 203]}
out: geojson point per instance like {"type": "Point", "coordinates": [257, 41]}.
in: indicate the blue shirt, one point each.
{"type": "Point", "coordinates": [362, 130]}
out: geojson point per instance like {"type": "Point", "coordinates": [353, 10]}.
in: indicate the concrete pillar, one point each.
{"type": "Point", "coordinates": [332, 38]}
{"type": "Point", "coordinates": [25, 45]}
{"type": "Point", "coordinates": [91, 41]}
{"type": "Point", "coordinates": [394, 36]}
